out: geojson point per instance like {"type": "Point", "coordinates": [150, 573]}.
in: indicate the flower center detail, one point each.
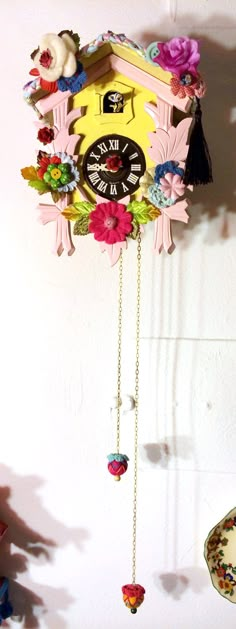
{"type": "Point", "coordinates": [111, 222]}
{"type": "Point", "coordinates": [45, 58]}
{"type": "Point", "coordinates": [186, 79]}
{"type": "Point", "coordinates": [114, 163]}
{"type": "Point", "coordinates": [55, 173]}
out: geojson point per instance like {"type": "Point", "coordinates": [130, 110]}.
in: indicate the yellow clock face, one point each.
{"type": "Point", "coordinates": [113, 165]}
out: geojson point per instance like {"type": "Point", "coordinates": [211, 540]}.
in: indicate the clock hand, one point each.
{"type": "Point", "coordinates": [97, 167]}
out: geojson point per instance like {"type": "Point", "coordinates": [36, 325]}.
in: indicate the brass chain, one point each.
{"type": "Point", "coordinates": [136, 412]}
{"type": "Point", "coordinates": [120, 295]}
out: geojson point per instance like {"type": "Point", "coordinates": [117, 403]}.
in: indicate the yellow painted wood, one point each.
{"type": "Point", "coordinates": [128, 55]}
{"type": "Point", "coordinates": [90, 128]}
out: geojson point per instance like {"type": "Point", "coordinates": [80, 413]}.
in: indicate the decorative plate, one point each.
{"type": "Point", "coordinates": [220, 555]}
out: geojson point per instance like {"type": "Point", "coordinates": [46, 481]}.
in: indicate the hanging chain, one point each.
{"type": "Point", "coordinates": [120, 295]}
{"type": "Point", "coordinates": [136, 407]}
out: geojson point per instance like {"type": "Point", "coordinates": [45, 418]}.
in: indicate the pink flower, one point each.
{"type": "Point", "coordinates": [179, 55]}
{"type": "Point", "coordinates": [172, 186]}
{"type": "Point", "coordinates": [110, 222]}
{"type": "Point", "coordinates": [201, 88]}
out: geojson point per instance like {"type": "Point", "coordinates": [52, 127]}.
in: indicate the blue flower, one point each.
{"type": "Point", "coordinates": [167, 167]}
{"type": "Point", "coordinates": [228, 576]}
{"type": "Point", "coordinates": [73, 83]}
{"type": "Point", "coordinates": [157, 197]}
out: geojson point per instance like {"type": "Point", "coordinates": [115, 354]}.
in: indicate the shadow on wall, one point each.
{"type": "Point", "coordinates": [31, 603]}
{"type": "Point", "coordinates": [219, 120]}
{"type": "Point", "coordinates": [215, 206]}
{"type": "Point", "coordinates": [175, 584]}
{"type": "Point", "coordinates": [179, 446]}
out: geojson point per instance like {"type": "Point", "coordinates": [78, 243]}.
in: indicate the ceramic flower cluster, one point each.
{"type": "Point", "coordinates": [181, 57]}
{"type": "Point", "coordinates": [110, 222]}
{"type": "Point", "coordinates": [55, 173]}
{"type": "Point", "coordinates": [56, 63]}
{"type": "Point", "coordinates": [163, 184]}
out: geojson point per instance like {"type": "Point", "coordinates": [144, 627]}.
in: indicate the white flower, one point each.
{"type": "Point", "coordinates": [56, 57]}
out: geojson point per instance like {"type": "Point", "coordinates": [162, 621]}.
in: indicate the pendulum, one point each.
{"type": "Point", "coordinates": [117, 462]}
{"type": "Point", "coordinates": [133, 593]}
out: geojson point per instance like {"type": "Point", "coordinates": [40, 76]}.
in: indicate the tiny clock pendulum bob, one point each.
{"type": "Point", "coordinates": [113, 158]}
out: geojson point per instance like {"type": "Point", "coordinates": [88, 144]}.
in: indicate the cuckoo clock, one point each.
{"type": "Point", "coordinates": [116, 120]}
{"type": "Point", "coordinates": [117, 153]}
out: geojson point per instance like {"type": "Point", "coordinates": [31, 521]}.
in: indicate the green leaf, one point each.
{"type": "Point", "coordinates": [135, 231]}
{"type": "Point", "coordinates": [84, 207]}
{"type": "Point", "coordinates": [76, 211]}
{"type": "Point", "coordinates": [81, 226]}
{"type": "Point", "coordinates": [225, 566]}
{"type": "Point", "coordinates": [71, 213]}
{"type": "Point", "coordinates": [234, 570]}
{"type": "Point", "coordinates": [221, 553]}
{"type": "Point", "coordinates": [40, 185]}
{"type": "Point", "coordinates": [231, 592]}
{"type": "Point", "coordinates": [143, 212]}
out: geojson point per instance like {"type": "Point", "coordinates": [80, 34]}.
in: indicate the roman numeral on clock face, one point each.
{"type": "Point", "coordinates": [103, 148]}
{"type": "Point", "coordinates": [133, 156]}
{"type": "Point", "coordinates": [102, 186]}
{"type": "Point", "coordinates": [94, 178]}
{"type": "Point", "coordinates": [113, 189]}
{"type": "Point", "coordinates": [95, 155]}
{"type": "Point", "coordinates": [136, 167]}
{"type": "Point", "coordinates": [132, 179]}
{"type": "Point", "coordinates": [93, 167]}
{"type": "Point", "coordinates": [125, 147]}
{"type": "Point", "coordinates": [114, 145]}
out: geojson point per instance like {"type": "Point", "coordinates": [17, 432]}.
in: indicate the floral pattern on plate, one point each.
{"type": "Point", "coordinates": [220, 555]}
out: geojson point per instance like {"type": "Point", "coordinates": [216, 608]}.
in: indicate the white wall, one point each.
{"type": "Point", "coordinates": [58, 342]}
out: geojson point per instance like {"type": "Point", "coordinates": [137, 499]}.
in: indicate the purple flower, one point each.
{"type": "Point", "coordinates": [179, 55]}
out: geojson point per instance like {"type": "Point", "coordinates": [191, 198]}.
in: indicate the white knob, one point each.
{"type": "Point", "coordinates": [128, 403]}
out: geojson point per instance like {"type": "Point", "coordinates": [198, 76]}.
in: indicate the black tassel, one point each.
{"type": "Point", "coordinates": [198, 168]}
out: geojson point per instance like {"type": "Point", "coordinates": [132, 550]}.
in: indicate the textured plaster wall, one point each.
{"type": "Point", "coordinates": [69, 526]}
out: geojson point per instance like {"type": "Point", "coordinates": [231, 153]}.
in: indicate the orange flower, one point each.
{"type": "Point", "coordinates": [225, 585]}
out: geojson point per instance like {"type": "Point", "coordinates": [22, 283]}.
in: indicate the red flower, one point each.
{"type": "Point", "coordinates": [45, 135]}
{"type": "Point", "coordinates": [45, 58]}
{"type": "Point", "coordinates": [48, 86]}
{"type": "Point", "coordinates": [44, 162]}
{"type": "Point", "coordinates": [181, 89]}
{"type": "Point", "coordinates": [220, 572]}
{"type": "Point", "coordinates": [114, 163]}
{"type": "Point", "coordinates": [110, 222]}
{"type": "Point", "coordinates": [228, 524]}
{"type": "Point", "coordinates": [133, 589]}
